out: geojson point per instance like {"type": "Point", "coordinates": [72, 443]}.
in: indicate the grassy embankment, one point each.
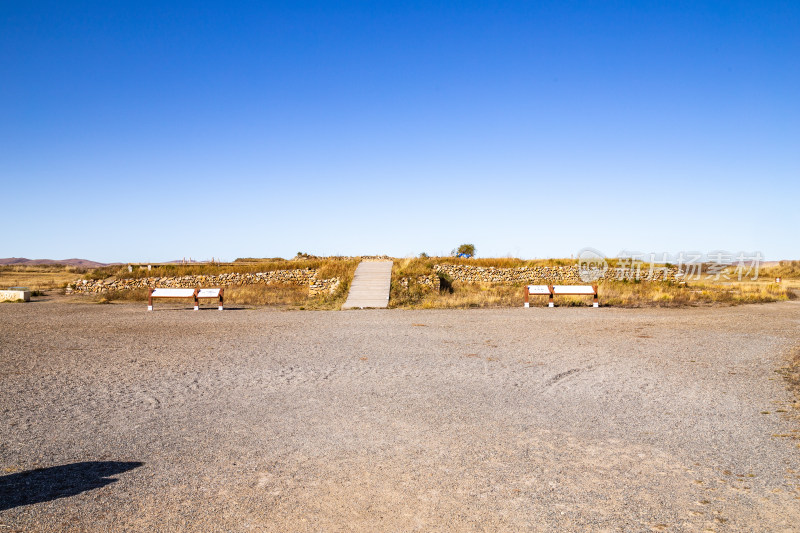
{"type": "Point", "coordinates": [453, 294]}
{"type": "Point", "coordinates": [284, 295]}
{"type": "Point", "coordinates": [456, 294]}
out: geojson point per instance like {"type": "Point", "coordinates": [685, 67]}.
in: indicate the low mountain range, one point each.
{"type": "Point", "coordinates": [82, 263]}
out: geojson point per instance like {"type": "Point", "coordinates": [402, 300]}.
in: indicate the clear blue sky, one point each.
{"type": "Point", "coordinates": [148, 131]}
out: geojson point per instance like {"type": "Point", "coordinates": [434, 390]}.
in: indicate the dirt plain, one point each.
{"type": "Point", "coordinates": [566, 419]}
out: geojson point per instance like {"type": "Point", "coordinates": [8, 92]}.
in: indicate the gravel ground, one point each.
{"type": "Point", "coordinates": [566, 419]}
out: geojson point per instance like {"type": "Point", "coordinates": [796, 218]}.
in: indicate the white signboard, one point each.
{"type": "Point", "coordinates": [173, 293]}
{"type": "Point", "coordinates": [208, 293]}
{"type": "Point", "coordinates": [573, 289]}
{"type": "Point", "coordinates": [538, 289]}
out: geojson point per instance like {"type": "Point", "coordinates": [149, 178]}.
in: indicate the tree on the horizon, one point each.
{"type": "Point", "coordinates": [465, 250]}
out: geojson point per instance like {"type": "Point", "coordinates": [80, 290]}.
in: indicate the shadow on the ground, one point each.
{"type": "Point", "coordinates": [182, 309]}
{"type": "Point", "coordinates": [46, 484]}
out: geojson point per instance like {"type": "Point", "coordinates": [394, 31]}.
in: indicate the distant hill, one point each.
{"type": "Point", "coordinates": [82, 263]}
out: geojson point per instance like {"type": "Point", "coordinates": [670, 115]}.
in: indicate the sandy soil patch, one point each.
{"type": "Point", "coordinates": [538, 419]}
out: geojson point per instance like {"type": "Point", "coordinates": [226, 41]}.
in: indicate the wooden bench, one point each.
{"type": "Point", "coordinates": [195, 294]}
{"type": "Point", "coordinates": [568, 290]}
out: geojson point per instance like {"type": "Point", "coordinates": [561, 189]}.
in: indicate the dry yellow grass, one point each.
{"type": "Point", "coordinates": [611, 293]}
{"type": "Point", "coordinates": [630, 294]}
{"type": "Point", "coordinates": [38, 278]}
{"type": "Point", "coordinates": [283, 295]}
{"type": "Point", "coordinates": [789, 270]}
{"type": "Point", "coordinates": [464, 295]}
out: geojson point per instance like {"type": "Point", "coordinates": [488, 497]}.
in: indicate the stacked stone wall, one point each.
{"type": "Point", "coordinates": [550, 274]}
{"type": "Point", "coordinates": [295, 277]}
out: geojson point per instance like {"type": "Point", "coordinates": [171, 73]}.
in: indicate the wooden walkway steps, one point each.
{"type": "Point", "coordinates": [370, 287]}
